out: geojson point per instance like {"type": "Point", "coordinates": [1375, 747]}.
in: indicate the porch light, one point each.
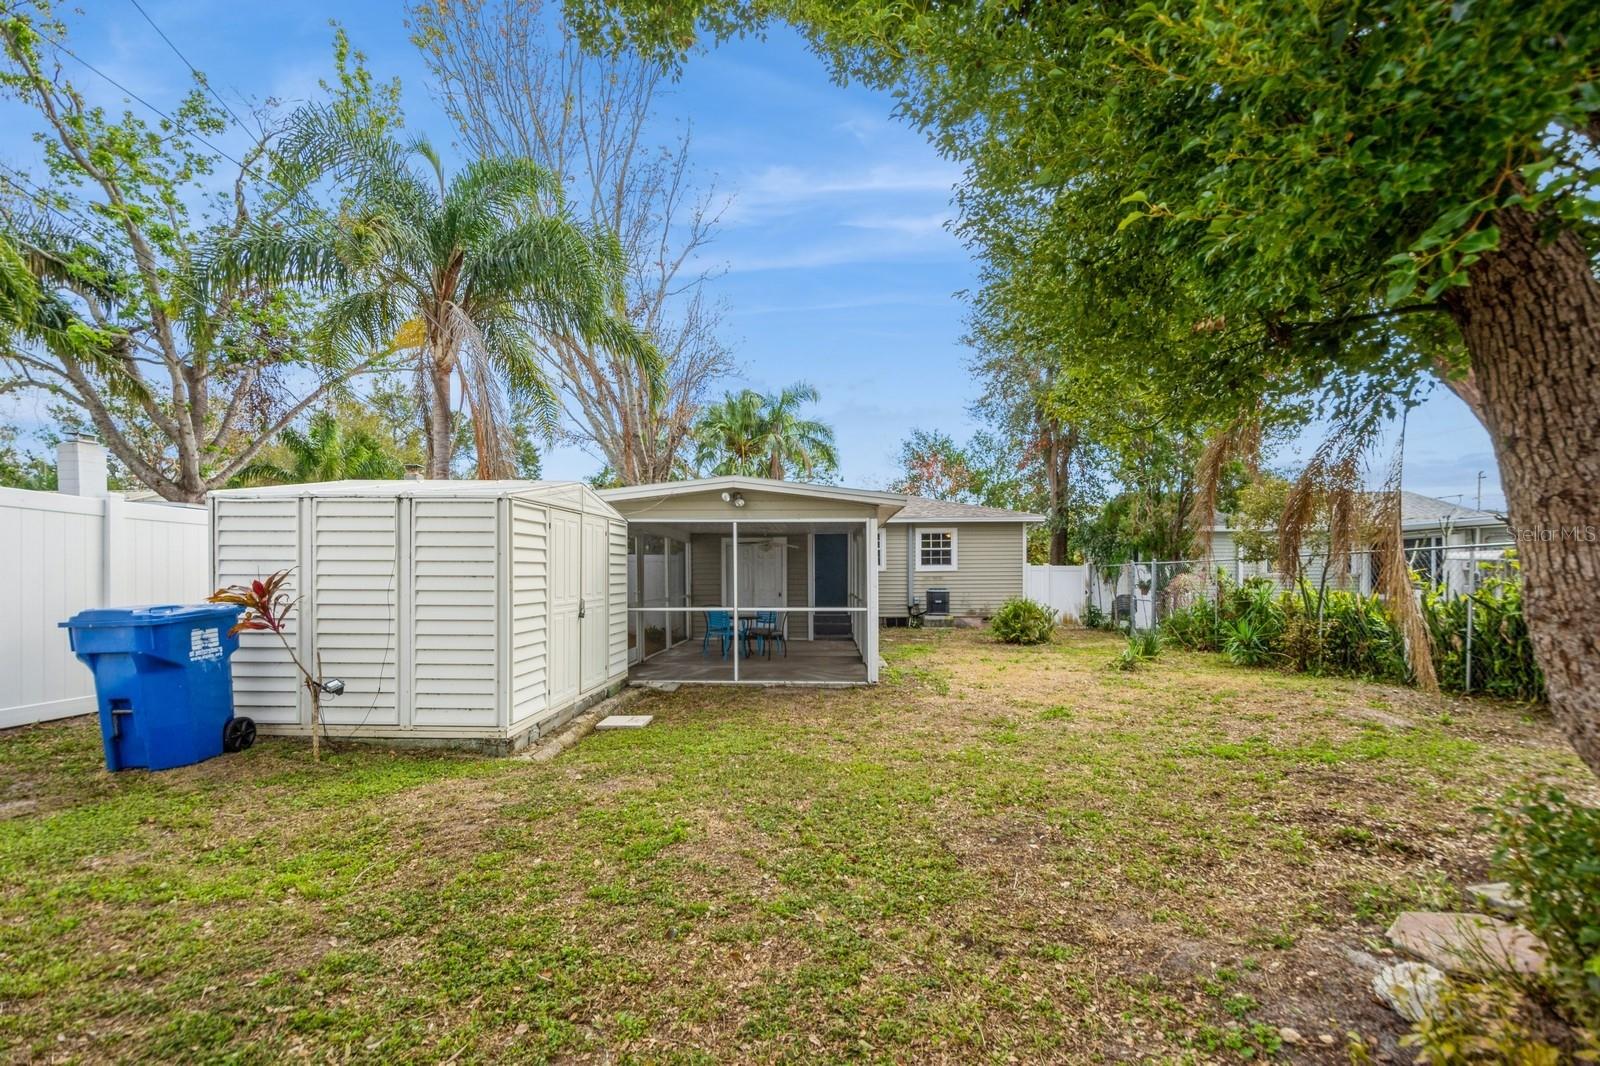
{"type": "Point", "coordinates": [735, 498]}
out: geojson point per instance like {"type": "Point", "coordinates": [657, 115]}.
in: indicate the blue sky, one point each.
{"type": "Point", "coordinates": [836, 265]}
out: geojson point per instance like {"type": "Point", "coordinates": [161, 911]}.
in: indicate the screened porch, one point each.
{"type": "Point", "coordinates": [792, 604]}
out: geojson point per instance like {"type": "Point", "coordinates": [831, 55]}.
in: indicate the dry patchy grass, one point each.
{"type": "Point", "coordinates": [1000, 853]}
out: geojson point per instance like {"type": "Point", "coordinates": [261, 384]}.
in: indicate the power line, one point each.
{"type": "Point", "coordinates": [200, 77]}
{"type": "Point", "coordinates": [17, 180]}
{"type": "Point", "coordinates": [181, 128]}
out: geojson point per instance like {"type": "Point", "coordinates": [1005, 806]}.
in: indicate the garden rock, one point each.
{"type": "Point", "coordinates": [1467, 943]}
{"type": "Point", "coordinates": [1497, 896]}
{"type": "Point", "coordinates": [1410, 989]}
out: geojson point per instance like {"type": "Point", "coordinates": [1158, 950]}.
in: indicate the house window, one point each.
{"type": "Point", "coordinates": [1425, 555]}
{"type": "Point", "coordinates": [936, 549]}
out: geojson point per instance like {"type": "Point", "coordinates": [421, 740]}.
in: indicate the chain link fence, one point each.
{"type": "Point", "coordinates": [1141, 593]}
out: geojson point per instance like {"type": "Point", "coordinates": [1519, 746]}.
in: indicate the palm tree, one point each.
{"type": "Point", "coordinates": [729, 436]}
{"type": "Point", "coordinates": [472, 274]}
{"type": "Point", "coordinates": [40, 268]}
{"type": "Point", "coordinates": [806, 444]}
{"type": "Point", "coordinates": [328, 451]}
{"type": "Point", "coordinates": [757, 435]}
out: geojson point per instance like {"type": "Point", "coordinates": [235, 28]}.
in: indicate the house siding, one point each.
{"type": "Point", "coordinates": [705, 578]}
{"type": "Point", "coordinates": [989, 561]}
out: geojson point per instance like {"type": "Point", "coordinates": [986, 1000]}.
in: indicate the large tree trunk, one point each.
{"type": "Point", "coordinates": [1531, 320]}
{"type": "Point", "coordinates": [1059, 480]}
{"type": "Point", "coordinates": [1052, 477]}
{"type": "Point", "coordinates": [441, 427]}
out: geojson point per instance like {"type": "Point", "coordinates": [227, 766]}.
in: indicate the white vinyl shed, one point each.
{"type": "Point", "coordinates": [476, 612]}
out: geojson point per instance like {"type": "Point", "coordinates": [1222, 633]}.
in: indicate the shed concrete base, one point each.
{"type": "Point", "coordinates": [485, 744]}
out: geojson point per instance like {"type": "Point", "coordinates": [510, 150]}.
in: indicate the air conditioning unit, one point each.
{"type": "Point", "coordinates": [938, 601]}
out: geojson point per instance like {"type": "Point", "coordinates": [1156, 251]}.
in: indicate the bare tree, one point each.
{"type": "Point", "coordinates": [516, 82]}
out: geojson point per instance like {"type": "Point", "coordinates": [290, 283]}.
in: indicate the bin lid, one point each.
{"type": "Point", "coordinates": [165, 614]}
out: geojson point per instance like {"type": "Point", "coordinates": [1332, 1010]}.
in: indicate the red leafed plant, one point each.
{"type": "Point", "coordinates": [266, 606]}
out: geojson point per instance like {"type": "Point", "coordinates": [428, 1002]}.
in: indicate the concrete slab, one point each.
{"type": "Point", "coordinates": [625, 721]}
{"type": "Point", "coordinates": [1467, 943]}
{"type": "Point", "coordinates": [1497, 896]}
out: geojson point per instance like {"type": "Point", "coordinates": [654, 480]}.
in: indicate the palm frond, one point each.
{"type": "Point", "coordinates": [355, 327]}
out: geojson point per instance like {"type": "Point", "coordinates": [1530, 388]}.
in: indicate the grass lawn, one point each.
{"type": "Point", "coordinates": [999, 853]}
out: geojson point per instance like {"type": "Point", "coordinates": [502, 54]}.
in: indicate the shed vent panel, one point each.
{"type": "Point", "coordinates": [530, 610]}
{"type": "Point", "coordinates": [454, 599]}
{"type": "Point", "coordinates": [254, 539]}
{"type": "Point", "coordinates": [356, 591]}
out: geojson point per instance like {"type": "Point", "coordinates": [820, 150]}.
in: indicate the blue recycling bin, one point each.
{"type": "Point", "coordinates": [163, 682]}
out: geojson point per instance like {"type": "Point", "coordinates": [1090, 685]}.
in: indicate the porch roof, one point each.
{"type": "Point", "coordinates": [638, 501]}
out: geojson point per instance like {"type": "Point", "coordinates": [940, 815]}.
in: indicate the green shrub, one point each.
{"type": "Point", "coordinates": [1502, 653]}
{"type": "Point", "coordinates": [1021, 621]}
{"type": "Point", "coordinates": [1094, 617]}
{"type": "Point", "coordinates": [1248, 642]}
{"type": "Point", "coordinates": [1360, 638]}
{"type": "Point", "coordinates": [1549, 852]}
{"type": "Point", "coordinates": [1333, 631]}
{"type": "Point", "coordinates": [1144, 646]}
{"type": "Point", "coordinates": [1487, 1023]}
{"type": "Point", "coordinates": [1196, 627]}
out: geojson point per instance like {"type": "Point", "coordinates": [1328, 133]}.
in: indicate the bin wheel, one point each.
{"type": "Point", "coordinates": [238, 734]}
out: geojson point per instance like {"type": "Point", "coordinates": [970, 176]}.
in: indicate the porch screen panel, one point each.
{"type": "Point", "coordinates": [652, 564]}
{"type": "Point", "coordinates": [677, 589]}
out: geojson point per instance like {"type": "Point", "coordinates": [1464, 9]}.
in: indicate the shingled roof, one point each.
{"type": "Point", "coordinates": [1419, 512]}
{"type": "Point", "coordinates": [922, 509]}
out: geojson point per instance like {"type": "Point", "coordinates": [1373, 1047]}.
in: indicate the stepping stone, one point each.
{"type": "Point", "coordinates": [1411, 989]}
{"type": "Point", "coordinates": [1467, 943]}
{"type": "Point", "coordinates": [625, 721]}
{"type": "Point", "coordinates": [1497, 896]}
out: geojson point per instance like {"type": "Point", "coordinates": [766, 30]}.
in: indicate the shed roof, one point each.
{"type": "Point", "coordinates": [561, 492]}
{"type": "Point", "coordinates": [398, 487]}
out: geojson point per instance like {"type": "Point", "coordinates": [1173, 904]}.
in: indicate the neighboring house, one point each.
{"type": "Point", "coordinates": [1443, 542]}
{"type": "Point", "coordinates": [826, 565]}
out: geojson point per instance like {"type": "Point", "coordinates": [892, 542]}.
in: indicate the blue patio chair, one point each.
{"type": "Point", "coordinates": [719, 624]}
{"type": "Point", "coordinates": [766, 628]}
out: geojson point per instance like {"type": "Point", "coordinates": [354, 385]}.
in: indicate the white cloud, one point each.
{"type": "Point", "coordinates": [888, 299]}
{"type": "Point", "coordinates": [868, 248]}
{"type": "Point", "coordinates": [910, 225]}
{"type": "Point", "coordinates": [781, 188]}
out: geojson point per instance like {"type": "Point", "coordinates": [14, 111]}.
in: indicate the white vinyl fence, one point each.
{"type": "Point", "coordinates": [1063, 589]}
{"type": "Point", "coordinates": [60, 554]}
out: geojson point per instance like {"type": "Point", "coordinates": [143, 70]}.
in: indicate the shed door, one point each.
{"type": "Point", "coordinates": [596, 622]}
{"type": "Point", "coordinates": [565, 552]}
